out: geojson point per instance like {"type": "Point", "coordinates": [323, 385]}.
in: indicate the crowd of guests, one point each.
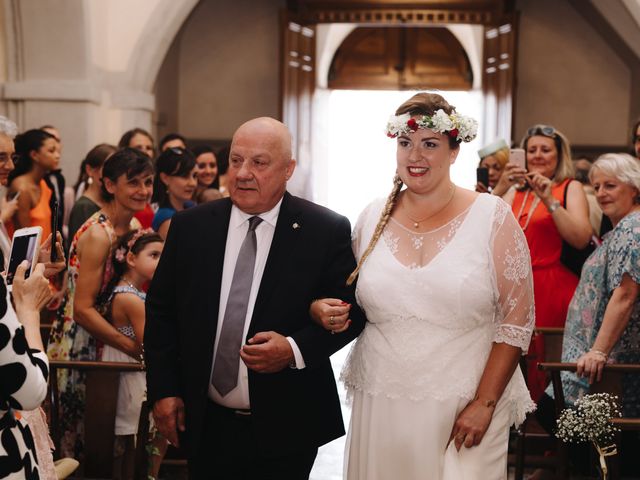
{"type": "Point", "coordinates": [467, 277]}
{"type": "Point", "coordinates": [95, 305]}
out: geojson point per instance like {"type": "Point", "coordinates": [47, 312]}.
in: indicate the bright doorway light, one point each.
{"type": "Point", "coordinates": [361, 158]}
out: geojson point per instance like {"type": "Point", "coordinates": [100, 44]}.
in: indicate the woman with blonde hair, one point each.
{"type": "Point", "coordinates": [553, 212]}
{"type": "Point", "coordinates": [494, 157]}
{"type": "Point", "coordinates": [434, 376]}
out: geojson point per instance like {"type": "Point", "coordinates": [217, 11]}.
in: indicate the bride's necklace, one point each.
{"type": "Point", "coordinates": [534, 205]}
{"type": "Point", "coordinates": [416, 223]}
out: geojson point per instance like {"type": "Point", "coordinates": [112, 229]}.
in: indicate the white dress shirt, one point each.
{"type": "Point", "coordinates": [238, 227]}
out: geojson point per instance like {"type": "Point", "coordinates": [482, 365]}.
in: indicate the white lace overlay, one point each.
{"type": "Point", "coordinates": [436, 301]}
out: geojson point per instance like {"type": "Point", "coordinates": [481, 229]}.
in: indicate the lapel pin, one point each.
{"type": "Point", "coordinates": [296, 226]}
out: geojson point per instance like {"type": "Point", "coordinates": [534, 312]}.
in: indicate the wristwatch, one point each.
{"type": "Point", "coordinates": [554, 206]}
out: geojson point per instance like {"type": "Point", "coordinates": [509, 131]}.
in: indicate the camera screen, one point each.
{"type": "Point", "coordinates": [23, 248]}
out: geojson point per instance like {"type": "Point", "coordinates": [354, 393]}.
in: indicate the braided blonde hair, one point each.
{"type": "Point", "coordinates": [382, 222]}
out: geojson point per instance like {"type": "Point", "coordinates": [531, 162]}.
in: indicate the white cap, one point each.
{"type": "Point", "coordinates": [492, 148]}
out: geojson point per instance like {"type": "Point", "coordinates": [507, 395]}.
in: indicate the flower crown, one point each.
{"type": "Point", "coordinates": [460, 127]}
{"type": "Point", "coordinates": [121, 252]}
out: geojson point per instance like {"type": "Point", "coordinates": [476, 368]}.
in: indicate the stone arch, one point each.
{"type": "Point", "coordinates": [155, 40]}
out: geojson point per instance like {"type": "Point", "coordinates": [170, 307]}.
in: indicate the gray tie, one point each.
{"type": "Point", "coordinates": [227, 360]}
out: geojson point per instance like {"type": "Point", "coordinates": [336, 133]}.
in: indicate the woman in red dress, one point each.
{"type": "Point", "coordinates": [551, 208]}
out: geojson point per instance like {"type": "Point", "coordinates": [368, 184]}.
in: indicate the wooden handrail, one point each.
{"type": "Point", "coordinates": [571, 367]}
{"type": "Point", "coordinates": [92, 365]}
{"type": "Point", "coordinates": [548, 331]}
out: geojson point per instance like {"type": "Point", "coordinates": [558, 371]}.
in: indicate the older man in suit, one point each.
{"type": "Point", "coordinates": [236, 368]}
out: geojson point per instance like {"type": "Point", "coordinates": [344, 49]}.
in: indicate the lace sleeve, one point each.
{"type": "Point", "coordinates": [362, 231]}
{"type": "Point", "coordinates": [513, 280]}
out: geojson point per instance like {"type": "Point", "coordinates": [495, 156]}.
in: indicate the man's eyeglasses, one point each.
{"type": "Point", "coordinates": [4, 158]}
{"type": "Point", "coordinates": [546, 130]}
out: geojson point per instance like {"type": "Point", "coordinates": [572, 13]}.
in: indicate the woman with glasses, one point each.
{"type": "Point", "coordinates": [551, 209]}
{"type": "Point", "coordinates": [175, 183]}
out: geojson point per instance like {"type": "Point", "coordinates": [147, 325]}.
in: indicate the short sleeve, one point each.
{"type": "Point", "coordinates": [623, 254]}
{"type": "Point", "coordinates": [161, 216]}
{"type": "Point", "coordinates": [513, 280]}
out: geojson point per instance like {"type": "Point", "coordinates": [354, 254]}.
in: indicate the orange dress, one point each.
{"type": "Point", "coordinates": [40, 215]}
{"type": "Point", "coordinates": [553, 283]}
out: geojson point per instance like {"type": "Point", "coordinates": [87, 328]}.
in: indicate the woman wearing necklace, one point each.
{"type": "Point", "coordinates": [81, 329]}
{"type": "Point", "coordinates": [445, 280]}
{"type": "Point", "coordinates": [551, 208]}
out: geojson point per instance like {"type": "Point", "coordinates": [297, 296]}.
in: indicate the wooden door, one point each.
{"type": "Point", "coordinates": [298, 83]}
{"type": "Point", "coordinates": [499, 79]}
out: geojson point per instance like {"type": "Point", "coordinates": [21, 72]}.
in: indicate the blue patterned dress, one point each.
{"type": "Point", "coordinates": [601, 275]}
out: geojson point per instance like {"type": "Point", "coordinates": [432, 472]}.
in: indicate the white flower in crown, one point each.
{"type": "Point", "coordinates": [467, 127]}
{"type": "Point", "coordinates": [441, 122]}
{"type": "Point", "coordinates": [463, 129]}
{"type": "Point", "coordinates": [397, 124]}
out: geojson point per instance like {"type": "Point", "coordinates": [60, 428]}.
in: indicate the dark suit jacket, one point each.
{"type": "Point", "coordinates": [310, 257]}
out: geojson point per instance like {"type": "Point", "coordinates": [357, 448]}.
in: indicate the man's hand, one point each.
{"type": "Point", "coordinates": [168, 413]}
{"type": "Point", "coordinates": [267, 352]}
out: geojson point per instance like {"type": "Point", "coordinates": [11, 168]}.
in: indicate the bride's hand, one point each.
{"type": "Point", "coordinates": [471, 424]}
{"type": "Point", "coordinates": [331, 313]}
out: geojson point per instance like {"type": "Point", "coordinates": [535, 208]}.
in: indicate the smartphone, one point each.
{"type": "Point", "coordinates": [54, 232]}
{"type": "Point", "coordinates": [25, 246]}
{"type": "Point", "coordinates": [517, 157]}
{"type": "Point", "coordinates": [482, 176]}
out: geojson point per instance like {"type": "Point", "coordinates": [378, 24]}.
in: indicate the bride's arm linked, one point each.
{"type": "Point", "coordinates": [331, 313]}
{"type": "Point", "coordinates": [513, 329]}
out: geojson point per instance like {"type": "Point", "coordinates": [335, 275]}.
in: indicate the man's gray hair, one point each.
{"type": "Point", "coordinates": [8, 127]}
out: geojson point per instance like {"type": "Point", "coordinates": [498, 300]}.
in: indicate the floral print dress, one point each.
{"type": "Point", "coordinates": [602, 273]}
{"type": "Point", "coordinates": [69, 341]}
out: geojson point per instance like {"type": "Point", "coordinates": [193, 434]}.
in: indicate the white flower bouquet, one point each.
{"type": "Point", "coordinates": [590, 421]}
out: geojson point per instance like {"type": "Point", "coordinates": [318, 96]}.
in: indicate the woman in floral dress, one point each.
{"type": "Point", "coordinates": [81, 328]}
{"type": "Point", "coordinates": [603, 323]}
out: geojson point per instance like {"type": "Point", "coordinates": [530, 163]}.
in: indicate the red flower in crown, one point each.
{"type": "Point", "coordinates": [453, 133]}
{"type": "Point", "coordinates": [412, 124]}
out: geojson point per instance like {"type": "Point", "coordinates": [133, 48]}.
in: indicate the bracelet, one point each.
{"type": "Point", "coordinates": [599, 352]}
{"type": "Point", "coordinates": [486, 403]}
{"type": "Point", "coordinates": [554, 206]}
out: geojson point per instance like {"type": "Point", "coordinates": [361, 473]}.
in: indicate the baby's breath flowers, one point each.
{"type": "Point", "coordinates": [590, 421]}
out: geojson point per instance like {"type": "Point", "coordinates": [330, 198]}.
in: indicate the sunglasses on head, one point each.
{"type": "Point", "coordinates": [545, 130]}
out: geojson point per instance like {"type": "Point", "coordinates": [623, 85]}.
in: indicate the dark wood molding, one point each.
{"type": "Point", "coordinates": [391, 12]}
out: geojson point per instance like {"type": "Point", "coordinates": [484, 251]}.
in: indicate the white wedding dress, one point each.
{"type": "Point", "coordinates": [435, 303]}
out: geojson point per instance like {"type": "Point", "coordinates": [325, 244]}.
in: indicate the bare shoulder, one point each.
{"type": "Point", "coordinates": [94, 241]}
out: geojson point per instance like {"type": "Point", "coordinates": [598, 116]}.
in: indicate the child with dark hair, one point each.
{"type": "Point", "coordinates": [134, 261]}
{"type": "Point", "coordinates": [174, 186]}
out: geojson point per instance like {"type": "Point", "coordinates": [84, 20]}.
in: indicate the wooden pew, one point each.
{"type": "Point", "coordinates": [102, 384]}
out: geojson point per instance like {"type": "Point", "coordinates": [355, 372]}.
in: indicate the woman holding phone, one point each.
{"type": "Point", "coordinates": [81, 327]}
{"type": "Point", "coordinates": [551, 209]}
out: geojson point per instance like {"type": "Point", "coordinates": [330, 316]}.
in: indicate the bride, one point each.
{"type": "Point", "coordinates": [445, 281]}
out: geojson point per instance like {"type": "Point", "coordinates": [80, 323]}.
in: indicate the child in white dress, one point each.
{"type": "Point", "coordinates": [134, 262]}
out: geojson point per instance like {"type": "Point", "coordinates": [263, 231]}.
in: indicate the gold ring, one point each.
{"type": "Point", "coordinates": [331, 320]}
{"type": "Point", "coordinates": [461, 438]}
